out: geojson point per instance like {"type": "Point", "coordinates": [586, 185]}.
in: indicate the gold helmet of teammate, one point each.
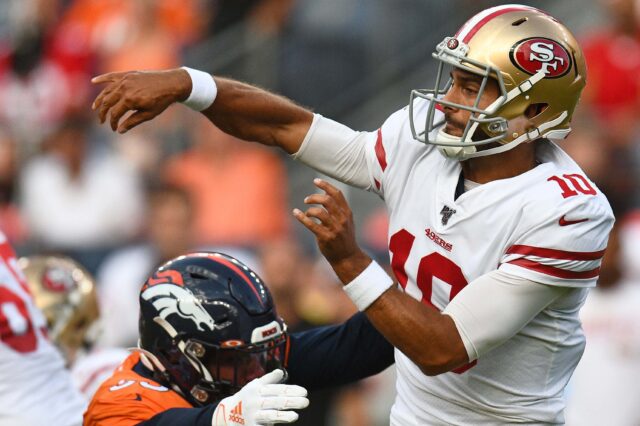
{"type": "Point", "coordinates": [66, 294]}
{"type": "Point", "coordinates": [535, 61]}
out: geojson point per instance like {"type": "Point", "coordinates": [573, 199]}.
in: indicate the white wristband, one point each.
{"type": "Point", "coordinates": [368, 286]}
{"type": "Point", "coordinates": [203, 90]}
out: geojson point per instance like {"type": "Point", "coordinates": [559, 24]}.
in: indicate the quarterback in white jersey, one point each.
{"type": "Point", "coordinates": [495, 233]}
{"type": "Point", "coordinates": [439, 243]}
{"type": "Point", "coordinates": [35, 387]}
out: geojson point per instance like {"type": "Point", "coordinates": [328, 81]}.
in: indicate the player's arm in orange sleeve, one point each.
{"type": "Point", "coordinates": [239, 109]}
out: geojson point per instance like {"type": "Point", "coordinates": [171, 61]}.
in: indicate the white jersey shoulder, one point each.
{"type": "Point", "coordinates": [563, 227]}
{"type": "Point", "coordinates": [35, 386]}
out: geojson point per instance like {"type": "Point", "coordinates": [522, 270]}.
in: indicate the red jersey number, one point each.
{"type": "Point", "coordinates": [431, 265]}
{"type": "Point", "coordinates": [573, 184]}
{"type": "Point", "coordinates": [16, 326]}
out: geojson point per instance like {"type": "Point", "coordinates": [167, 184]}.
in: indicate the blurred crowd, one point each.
{"type": "Point", "coordinates": [121, 205]}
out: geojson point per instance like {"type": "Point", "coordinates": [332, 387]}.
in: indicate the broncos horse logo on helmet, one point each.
{"type": "Point", "coordinates": [171, 299]}
{"type": "Point", "coordinates": [208, 326]}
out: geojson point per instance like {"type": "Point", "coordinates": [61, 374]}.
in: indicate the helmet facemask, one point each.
{"type": "Point", "coordinates": [204, 372]}
{"type": "Point", "coordinates": [228, 368]}
{"type": "Point", "coordinates": [485, 126]}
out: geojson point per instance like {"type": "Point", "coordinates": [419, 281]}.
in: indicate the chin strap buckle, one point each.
{"type": "Point", "coordinates": [533, 134]}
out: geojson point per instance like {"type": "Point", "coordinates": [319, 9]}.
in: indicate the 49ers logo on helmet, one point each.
{"type": "Point", "coordinates": [57, 280]}
{"type": "Point", "coordinates": [541, 54]}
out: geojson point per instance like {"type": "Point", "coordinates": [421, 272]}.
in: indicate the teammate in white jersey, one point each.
{"type": "Point", "coordinates": [490, 221]}
{"type": "Point", "coordinates": [65, 292]}
{"type": "Point", "coordinates": [35, 387]}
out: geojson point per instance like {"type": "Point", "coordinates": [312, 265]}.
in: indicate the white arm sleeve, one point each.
{"type": "Point", "coordinates": [494, 307]}
{"type": "Point", "coordinates": [337, 151]}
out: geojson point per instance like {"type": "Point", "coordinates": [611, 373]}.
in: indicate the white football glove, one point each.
{"type": "Point", "coordinates": [262, 401]}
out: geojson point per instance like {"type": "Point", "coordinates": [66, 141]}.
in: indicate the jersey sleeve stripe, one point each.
{"type": "Point", "coordinates": [553, 253]}
{"type": "Point", "coordinates": [556, 272]}
{"type": "Point", "coordinates": [569, 265]}
{"type": "Point", "coordinates": [380, 152]}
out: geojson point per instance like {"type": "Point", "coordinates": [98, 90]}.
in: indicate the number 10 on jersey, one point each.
{"type": "Point", "coordinates": [430, 266]}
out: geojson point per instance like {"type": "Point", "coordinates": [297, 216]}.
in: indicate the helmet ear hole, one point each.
{"type": "Point", "coordinates": [534, 110]}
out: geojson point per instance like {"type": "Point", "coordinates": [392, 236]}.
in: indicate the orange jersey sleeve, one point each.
{"type": "Point", "coordinates": [127, 398]}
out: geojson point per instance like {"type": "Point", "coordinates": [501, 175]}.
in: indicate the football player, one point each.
{"type": "Point", "coordinates": [65, 292]}
{"type": "Point", "coordinates": [495, 233]}
{"type": "Point", "coordinates": [211, 352]}
{"type": "Point", "coordinates": [35, 387]}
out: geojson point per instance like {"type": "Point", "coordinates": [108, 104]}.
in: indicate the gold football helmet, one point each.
{"type": "Point", "coordinates": [534, 59]}
{"type": "Point", "coordinates": [66, 293]}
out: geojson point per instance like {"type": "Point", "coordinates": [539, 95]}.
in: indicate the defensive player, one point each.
{"type": "Point", "coordinates": [35, 387]}
{"type": "Point", "coordinates": [65, 292]}
{"type": "Point", "coordinates": [208, 329]}
{"type": "Point", "coordinates": [209, 338]}
{"type": "Point", "coordinates": [495, 233]}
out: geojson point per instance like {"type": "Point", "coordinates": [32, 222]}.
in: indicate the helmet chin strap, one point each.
{"type": "Point", "coordinates": [464, 153]}
{"type": "Point", "coordinates": [453, 152]}
{"type": "Point", "coordinates": [149, 360]}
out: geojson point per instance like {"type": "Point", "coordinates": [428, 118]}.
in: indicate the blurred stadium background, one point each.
{"type": "Point", "coordinates": [123, 204]}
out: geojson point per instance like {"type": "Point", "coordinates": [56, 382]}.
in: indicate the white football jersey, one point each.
{"type": "Point", "coordinates": [35, 387]}
{"type": "Point", "coordinates": [549, 225]}
{"type": "Point", "coordinates": [90, 370]}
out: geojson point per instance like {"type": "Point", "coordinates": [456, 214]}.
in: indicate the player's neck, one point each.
{"type": "Point", "coordinates": [507, 164]}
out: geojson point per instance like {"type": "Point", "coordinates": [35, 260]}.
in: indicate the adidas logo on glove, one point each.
{"type": "Point", "coordinates": [236, 414]}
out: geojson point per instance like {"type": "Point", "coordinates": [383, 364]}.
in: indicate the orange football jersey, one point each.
{"type": "Point", "coordinates": [127, 398]}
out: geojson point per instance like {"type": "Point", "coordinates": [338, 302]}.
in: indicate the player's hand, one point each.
{"type": "Point", "coordinates": [143, 94]}
{"type": "Point", "coordinates": [262, 401]}
{"type": "Point", "coordinates": [332, 224]}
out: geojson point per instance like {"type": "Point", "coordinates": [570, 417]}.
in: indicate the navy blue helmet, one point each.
{"type": "Point", "coordinates": [209, 326]}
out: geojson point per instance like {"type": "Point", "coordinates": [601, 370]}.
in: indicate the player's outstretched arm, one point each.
{"type": "Point", "coordinates": [337, 355]}
{"type": "Point", "coordinates": [263, 401]}
{"type": "Point", "coordinates": [429, 338]}
{"type": "Point", "coordinates": [247, 112]}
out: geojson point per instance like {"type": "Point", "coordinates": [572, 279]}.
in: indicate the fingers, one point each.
{"type": "Point", "coordinates": [327, 201]}
{"type": "Point", "coordinates": [273, 377]}
{"type": "Point", "coordinates": [98, 100]}
{"type": "Point", "coordinates": [319, 213]}
{"type": "Point", "coordinates": [284, 403]}
{"type": "Point", "coordinates": [335, 213]}
{"type": "Point", "coordinates": [111, 77]}
{"type": "Point", "coordinates": [134, 119]}
{"type": "Point", "coordinates": [117, 111]}
{"type": "Point", "coordinates": [108, 77]}
{"type": "Point", "coordinates": [273, 416]}
{"type": "Point", "coordinates": [110, 99]}
{"type": "Point", "coordinates": [309, 223]}
{"type": "Point", "coordinates": [283, 390]}
{"type": "Point", "coordinates": [331, 190]}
